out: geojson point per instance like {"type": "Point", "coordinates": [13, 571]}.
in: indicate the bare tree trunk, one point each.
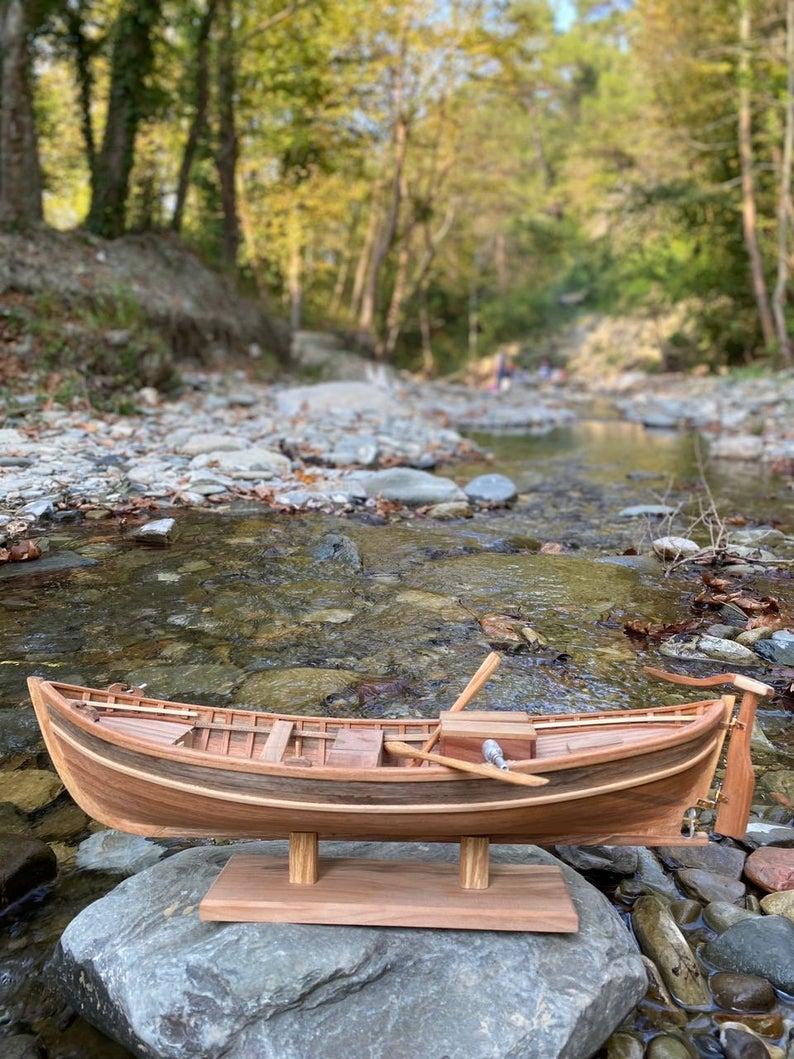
{"type": "Point", "coordinates": [428, 359]}
{"type": "Point", "coordinates": [228, 152]}
{"type": "Point", "coordinates": [749, 212]}
{"type": "Point", "coordinates": [131, 64]}
{"type": "Point", "coordinates": [473, 320]}
{"type": "Point", "coordinates": [83, 53]}
{"type": "Point", "coordinates": [295, 272]}
{"type": "Point", "coordinates": [20, 175]}
{"type": "Point", "coordinates": [388, 229]}
{"type": "Point", "coordinates": [365, 256]}
{"type": "Point", "coordinates": [386, 348]}
{"type": "Point", "coordinates": [784, 199]}
{"type": "Point", "coordinates": [198, 124]}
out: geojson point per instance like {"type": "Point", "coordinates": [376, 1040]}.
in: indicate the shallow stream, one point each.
{"type": "Point", "coordinates": [310, 613]}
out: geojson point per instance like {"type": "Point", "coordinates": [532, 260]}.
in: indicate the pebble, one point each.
{"type": "Point", "coordinates": [649, 510]}
{"type": "Point", "coordinates": [721, 914]}
{"type": "Point", "coordinates": [624, 1046]}
{"type": "Point", "coordinates": [715, 857]}
{"type": "Point", "coordinates": [709, 886]}
{"type": "Point", "coordinates": [763, 946]}
{"type": "Point", "coordinates": [727, 651]}
{"type": "Point", "coordinates": [160, 531]}
{"type": "Point", "coordinates": [414, 488]}
{"type": "Point", "coordinates": [675, 547]}
{"type": "Point", "coordinates": [739, 1043]}
{"type": "Point", "coordinates": [450, 510]}
{"type": "Point", "coordinates": [491, 489]}
{"type": "Point", "coordinates": [662, 941]}
{"type": "Point", "coordinates": [779, 904]}
{"type": "Point", "coordinates": [762, 833]}
{"type": "Point", "coordinates": [780, 652]}
{"type": "Point", "coordinates": [667, 1047]}
{"type": "Point", "coordinates": [771, 868]}
{"type": "Point", "coordinates": [686, 911]}
{"type": "Point", "coordinates": [742, 992]}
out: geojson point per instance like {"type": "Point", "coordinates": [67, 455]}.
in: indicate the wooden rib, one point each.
{"type": "Point", "coordinates": [379, 808]}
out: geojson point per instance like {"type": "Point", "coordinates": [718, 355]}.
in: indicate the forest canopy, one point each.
{"type": "Point", "coordinates": [433, 176]}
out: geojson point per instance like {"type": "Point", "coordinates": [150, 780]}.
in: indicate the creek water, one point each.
{"type": "Point", "coordinates": [273, 611]}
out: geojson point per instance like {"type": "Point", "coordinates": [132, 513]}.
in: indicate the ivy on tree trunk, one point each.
{"type": "Point", "coordinates": [131, 65]}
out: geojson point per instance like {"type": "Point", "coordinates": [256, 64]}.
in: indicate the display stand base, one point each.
{"type": "Point", "coordinates": [390, 893]}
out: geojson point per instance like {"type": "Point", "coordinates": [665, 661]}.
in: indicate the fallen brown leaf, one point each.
{"type": "Point", "coordinates": [638, 629]}
{"type": "Point", "coordinates": [551, 548]}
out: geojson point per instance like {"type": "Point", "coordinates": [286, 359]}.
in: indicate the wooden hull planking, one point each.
{"type": "Point", "coordinates": [637, 794]}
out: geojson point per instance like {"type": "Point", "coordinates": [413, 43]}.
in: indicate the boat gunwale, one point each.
{"type": "Point", "coordinates": [707, 712]}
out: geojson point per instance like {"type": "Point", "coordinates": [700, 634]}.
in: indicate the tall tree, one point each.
{"type": "Point", "coordinates": [749, 206]}
{"type": "Point", "coordinates": [198, 122]}
{"type": "Point", "coordinates": [128, 105]}
{"type": "Point", "coordinates": [784, 208]}
{"type": "Point", "coordinates": [20, 174]}
{"type": "Point", "coordinates": [228, 149]}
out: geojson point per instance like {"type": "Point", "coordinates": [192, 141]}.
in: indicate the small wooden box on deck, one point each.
{"type": "Point", "coordinates": [462, 734]}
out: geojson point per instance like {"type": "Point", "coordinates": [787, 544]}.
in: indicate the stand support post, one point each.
{"type": "Point", "coordinates": [474, 862]}
{"type": "Point", "coordinates": [303, 857]}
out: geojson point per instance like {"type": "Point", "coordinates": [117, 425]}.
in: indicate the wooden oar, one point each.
{"type": "Point", "coordinates": [481, 677]}
{"type": "Point", "coordinates": [489, 772]}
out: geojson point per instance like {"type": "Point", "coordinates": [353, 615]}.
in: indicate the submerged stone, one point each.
{"type": "Point", "coordinates": [29, 789]}
{"type": "Point", "coordinates": [663, 942]}
{"type": "Point", "coordinates": [763, 946]}
{"type": "Point", "coordinates": [25, 864]}
{"type": "Point", "coordinates": [293, 690]}
{"type": "Point", "coordinates": [742, 992]}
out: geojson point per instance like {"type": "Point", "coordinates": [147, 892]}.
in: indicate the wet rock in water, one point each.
{"type": "Point", "coordinates": [293, 690]}
{"type": "Point", "coordinates": [328, 616]}
{"type": "Point", "coordinates": [185, 682]}
{"type": "Point", "coordinates": [446, 607]}
{"type": "Point", "coordinates": [451, 509]}
{"type": "Point", "coordinates": [715, 857]}
{"type": "Point", "coordinates": [117, 853]}
{"type": "Point", "coordinates": [762, 946]}
{"type": "Point", "coordinates": [650, 878]}
{"type": "Point", "coordinates": [779, 904]}
{"type": "Point", "coordinates": [665, 1046]}
{"type": "Point", "coordinates": [29, 789]}
{"type": "Point", "coordinates": [282, 991]}
{"type": "Point", "coordinates": [771, 868]}
{"type": "Point", "coordinates": [662, 941]}
{"type": "Point", "coordinates": [739, 1043]}
{"type": "Point", "coordinates": [158, 532]}
{"type": "Point", "coordinates": [40, 509]}
{"type": "Point", "coordinates": [780, 652]}
{"type": "Point", "coordinates": [709, 886]}
{"type": "Point", "coordinates": [62, 823]}
{"type": "Point", "coordinates": [493, 489]}
{"type": "Point", "coordinates": [723, 632]}
{"type": "Point", "coordinates": [20, 1046]}
{"type": "Point", "coordinates": [19, 731]}
{"type": "Point", "coordinates": [12, 821]}
{"type": "Point", "coordinates": [763, 833]}
{"type": "Point", "coordinates": [686, 911]}
{"type": "Point", "coordinates": [25, 864]}
{"type": "Point", "coordinates": [727, 651]}
{"type": "Point", "coordinates": [337, 548]}
{"type": "Point", "coordinates": [411, 487]}
{"type": "Point", "coordinates": [620, 860]}
{"type": "Point", "coordinates": [52, 563]}
{"type": "Point", "coordinates": [722, 914]}
{"type": "Point", "coordinates": [672, 548]}
{"type": "Point", "coordinates": [624, 1046]}
{"type": "Point", "coordinates": [646, 510]}
{"type": "Point", "coordinates": [742, 992]}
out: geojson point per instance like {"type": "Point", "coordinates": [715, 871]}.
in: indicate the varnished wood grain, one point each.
{"type": "Point", "coordinates": [303, 858]}
{"type": "Point", "coordinates": [362, 892]}
{"type": "Point", "coordinates": [474, 862]}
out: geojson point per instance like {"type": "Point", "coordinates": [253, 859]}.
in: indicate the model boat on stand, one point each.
{"type": "Point", "coordinates": [159, 768]}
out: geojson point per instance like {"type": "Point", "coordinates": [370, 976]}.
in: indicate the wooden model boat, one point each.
{"type": "Point", "coordinates": [159, 768]}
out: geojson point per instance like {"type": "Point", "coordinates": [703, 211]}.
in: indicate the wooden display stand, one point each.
{"type": "Point", "coordinates": [476, 895]}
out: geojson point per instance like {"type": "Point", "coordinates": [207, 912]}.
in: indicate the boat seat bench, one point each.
{"type": "Point", "coordinates": [165, 733]}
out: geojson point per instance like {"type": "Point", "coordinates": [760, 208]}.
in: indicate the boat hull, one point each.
{"type": "Point", "coordinates": [639, 798]}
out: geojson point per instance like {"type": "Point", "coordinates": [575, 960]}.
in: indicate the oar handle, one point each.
{"type": "Point", "coordinates": [481, 677]}
{"type": "Point", "coordinates": [490, 772]}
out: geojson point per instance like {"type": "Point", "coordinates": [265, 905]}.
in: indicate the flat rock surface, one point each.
{"type": "Point", "coordinates": [140, 965]}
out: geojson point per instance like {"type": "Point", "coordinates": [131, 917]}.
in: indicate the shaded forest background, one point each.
{"type": "Point", "coordinates": [433, 177]}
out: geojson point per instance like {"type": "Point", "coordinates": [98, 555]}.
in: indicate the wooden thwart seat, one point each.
{"type": "Point", "coordinates": [165, 733]}
{"type": "Point", "coordinates": [462, 734]}
{"type": "Point", "coordinates": [357, 748]}
{"type": "Point", "coordinates": [277, 740]}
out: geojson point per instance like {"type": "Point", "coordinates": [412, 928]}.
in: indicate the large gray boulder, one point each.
{"type": "Point", "coordinates": [140, 965]}
{"type": "Point", "coordinates": [334, 397]}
